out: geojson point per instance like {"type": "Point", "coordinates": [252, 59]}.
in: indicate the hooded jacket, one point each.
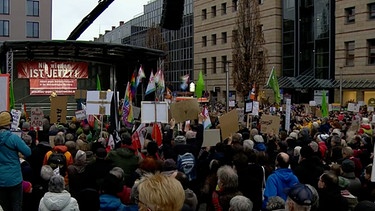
{"type": "Point", "coordinates": [10, 168]}
{"type": "Point", "coordinates": [113, 203]}
{"type": "Point", "coordinates": [278, 182]}
{"type": "Point", "coordinates": [58, 201]}
{"type": "Point", "coordinates": [68, 157]}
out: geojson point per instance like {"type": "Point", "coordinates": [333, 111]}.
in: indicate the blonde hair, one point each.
{"type": "Point", "coordinates": [160, 192]}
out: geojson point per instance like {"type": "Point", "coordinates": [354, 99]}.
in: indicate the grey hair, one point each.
{"type": "Point", "coordinates": [227, 176]}
{"type": "Point", "coordinates": [59, 140]}
{"type": "Point", "coordinates": [240, 203]}
{"type": "Point", "coordinates": [117, 172]}
{"type": "Point", "coordinates": [56, 184]}
{"type": "Point", "coordinates": [275, 203]}
{"type": "Point", "coordinates": [248, 144]}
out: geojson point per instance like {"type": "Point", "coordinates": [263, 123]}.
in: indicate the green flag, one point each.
{"type": "Point", "coordinates": [274, 84]}
{"type": "Point", "coordinates": [324, 105]}
{"type": "Point", "coordinates": [12, 101]}
{"type": "Point", "coordinates": [200, 85]}
{"type": "Point", "coordinates": [98, 86]}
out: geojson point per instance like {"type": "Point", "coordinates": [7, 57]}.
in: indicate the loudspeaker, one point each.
{"type": "Point", "coordinates": [173, 11]}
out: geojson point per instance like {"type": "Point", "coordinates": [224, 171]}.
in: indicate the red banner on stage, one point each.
{"type": "Point", "coordinates": [47, 86]}
{"type": "Point", "coordinates": [52, 70]}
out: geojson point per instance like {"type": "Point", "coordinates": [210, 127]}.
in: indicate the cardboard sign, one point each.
{"type": "Point", "coordinates": [16, 116]}
{"type": "Point", "coordinates": [80, 115]}
{"type": "Point", "coordinates": [211, 137]}
{"type": "Point", "coordinates": [99, 102]}
{"type": "Point", "coordinates": [154, 112]}
{"type": "Point", "coordinates": [185, 110]}
{"type": "Point", "coordinates": [228, 124]}
{"type": "Point", "coordinates": [59, 109]}
{"type": "Point", "coordinates": [36, 118]}
{"type": "Point", "coordinates": [270, 123]}
{"type": "Point", "coordinates": [318, 113]}
{"type": "Point", "coordinates": [80, 94]}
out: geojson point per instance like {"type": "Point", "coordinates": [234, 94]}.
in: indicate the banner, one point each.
{"type": "Point", "coordinates": [47, 86]}
{"type": "Point", "coordinates": [52, 70]}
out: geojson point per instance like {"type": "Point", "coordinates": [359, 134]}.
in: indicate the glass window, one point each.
{"type": "Point", "coordinates": [4, 6]}
{"type": "Point", "coordinates": [349, 49]}
{"type": "Point", "coordinates": [223, 8]}
{"type": "Point", "coordinates": [204, 41]}
{"type": "Point", "coordinates": [213, 39]}
{"type": "Point", "coordinates": [223, 63]}
{"type": "Point", "coordinates": [213, 11]}
{"type": "Point", "coordinates": [213, 63]}
{"type": "Point", "coordinates": [204, 65]}
{"type": "Point", "coordinates": [204, 14]}
{"type": "Point", "coordinates": [32, 30]}
{"type": "Point", "coordinates": [4, 28]}
{"type": "Point", "coordinates": [235, 5]}
{"type": "Point", "coordinates": [260, 1]}
{"type": "Point", "coordinates": [32, 8]}
{"type": "Point", "coordinates": [224, 37]}
{"type": "Point", "coordinates": [371, 10]}
{"type": "Point", "coordinates": [350, 14]}
{"type": "Point", "coordinates": [371, 51]}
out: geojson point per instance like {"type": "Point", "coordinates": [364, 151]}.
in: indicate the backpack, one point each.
{"type": "Point", "coordinates": [186, 164]}
{"type": "Point", "coordinates": [58, 160]}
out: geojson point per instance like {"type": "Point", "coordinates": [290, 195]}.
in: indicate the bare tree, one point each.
{"type": "Point", "coordinates": [249, 53]}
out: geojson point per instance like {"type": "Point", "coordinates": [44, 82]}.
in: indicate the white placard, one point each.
{"type": "Point", "coordinates": [16, 116]}
{"type": "Point", "coordinates": [248, 107]}
{"type": "Point", "coordinates": [94, 103]}
{"type": "Point", "coordinates": [370, 108]}
{"type": "Point", "coordinates": [255, 108]}
{"type": "Point", "coordinates": [37, 116]}
{"type": "Point", "coordinates": [312, 103]}
{"type": "Point", "coordinates": [361, 103]}
{"type": "Point", "coordinates": [80, 115]}
{"type": "Point", "coordinates": [353, 107]}
{"type": "Point", "coordinates": [151, 110]}
{"type": "Point", "coordinates": [232, 103]}
{"type": "Point", "coordinates": [287, 115]}
{"type": "Point", "coordinates": [211, 137]}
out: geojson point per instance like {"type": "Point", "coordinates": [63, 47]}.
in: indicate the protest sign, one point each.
{"type": "Point", "coordinates": [229, 124]}
{"type": "Point", "coordinates": [269, 124]}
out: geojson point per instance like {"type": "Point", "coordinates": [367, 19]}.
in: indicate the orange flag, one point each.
{"type": "Point", "coordinates": [156, 134]}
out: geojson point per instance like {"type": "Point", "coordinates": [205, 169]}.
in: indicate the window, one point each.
{"type": "Point", "coordinates": [204, 41]}
{"type": "Point", "coordinates": [223, 8]}
{"type": "Point", "coordinates": [260, 1]}
{"type": "Point", "coordinates": [204, 65]}
{"type": "Point", "coordinates": [4, 28]}
{"type": "Point", "coordinates": [223, 63]}
{"type": "Point", "coordinates": [213, 11]}
{"type": "Point", "coordinates": [4, 6]}
{"type": "Point", "coordinates": [260, 28]}
{"type": "Point", "coordinates": [371, 10]}
{"type": "Point", "coordinates": [371, 51]}
{"type": "Point", "coordinates": [213, 63]}
{"type": "Point", "coordinates": [235, 5]}
{"type": "Point", "coordinates": [349, 49]}
{"type": "Point", "coordinates": [32, 30]}
{"type": "Point", "coordinates": [32, 8]}
{"type": "Point", "coordinates": [213, 39]}
{"type": "Point", "coordinates": [204, 14]}
{"type": "Point", "coordinates": [224, 37]}
{"type": "Point", "coordinates": [350, 14]}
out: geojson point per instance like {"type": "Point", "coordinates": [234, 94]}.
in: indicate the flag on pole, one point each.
{"type": "Point", "coordinates": [207, 120]}
{"type": "Point", "coordinates": [159, 79]}
{"type": "Point", "coordinates": [185, 82]}
{"type": "Point", "coordinates": [324, 105]}
{"type": "Point", "coordinates": [151, 84]}
{"type": "Point", "coordinates": [133, 86]}
{"type": "Point", "coordinates": [141, 74]}
{"type": "Point", "coordinates": [274, 84]}
{"type": "Point", "coordinates": [200, 85]}
{"type": "Point", "coordinates": [98, 86]}
{"type": "Point", "coordinates": [127, 111]}
{"type": "Point", "coordinates": [252, 92]}
{"type": "Point", "coordinates": [156, 133]}
{"type": "Point", "coordinates": [12, 101]}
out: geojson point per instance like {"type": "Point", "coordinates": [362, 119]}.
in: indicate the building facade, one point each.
{"type": "Point", "coordinates": [25, 20]}
{"type": "Point", "coordinates": [177, 43]}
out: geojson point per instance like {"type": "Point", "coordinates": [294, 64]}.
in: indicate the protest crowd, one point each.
{"type": "Point", "coordinates": [319, 163]}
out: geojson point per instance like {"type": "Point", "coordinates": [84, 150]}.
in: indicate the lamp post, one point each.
{"type": "Point", "coordinates": [227, 85]}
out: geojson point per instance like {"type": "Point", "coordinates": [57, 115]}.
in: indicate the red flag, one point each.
{"type": "Point", "coordinates": [156, 134]}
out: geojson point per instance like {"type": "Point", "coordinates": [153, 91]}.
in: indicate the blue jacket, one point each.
{"type": "Point", "coordinates": [10, 167]}
{"type": "Point", "coordinates": [113, 203]}
{"type": "Point", "coordinates": [278, 183]}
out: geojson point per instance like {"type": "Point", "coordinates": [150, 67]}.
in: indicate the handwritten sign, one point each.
{"type": "Point", "coordinates": [37, 116]}
{"type": "Point", "coordinates": [59, 109]}
{"type": "Point", "coordinates": [80, 115]}
{"type": "Point", "coordinates": [269, 123]}
{"type": "Point", "coordinates": [16, 116]}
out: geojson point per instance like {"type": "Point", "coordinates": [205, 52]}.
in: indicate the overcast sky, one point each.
{"type": "Point", "coordinates": [67, 14]}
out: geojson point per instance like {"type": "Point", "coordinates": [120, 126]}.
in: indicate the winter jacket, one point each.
{"type": "Point", "coordinates": [58, 201]}
{"type": "Point", "coordinates": [10, 168]}
{"type": "Point", "coordinates": [113, 203]}
{"type": "Point", "coordinates": [277, 182]}
{"type": "Point", "coordinates": [68, 157]}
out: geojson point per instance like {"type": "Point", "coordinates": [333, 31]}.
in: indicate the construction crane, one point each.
{"type": "Point", "coordinates": [89, 19]}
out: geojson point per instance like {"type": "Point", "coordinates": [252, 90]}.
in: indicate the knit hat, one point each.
{"type": "Point", "coordinates": [348, 168]}
{"type": "Point", "coordinates": [365, 121]}
{"type": "Point", "coordinates": [169, 165]}
{"type": "Point", "coordinates": [46, 172]}
{"type": "Point", "coordinates": [258, 139]}
{"type": "Point", "coordinates": [5, 118]}
{"type": "Point", "coordinates": [293, 135]}
{"type": "Point", "coordinates": [322, 137]}
{"type": "Point", "coordinates": [27, 187]}
{"type": "Point", "coordinates": [301, 194]}
{"type": "Point", "coordinates": [336, 131]}
{"type": "Point", "coordinates": [180, 140]}
{"type": "Point", "coordinates": [80, 157]}
{"type": "Point", "coordinates": [101, 153]}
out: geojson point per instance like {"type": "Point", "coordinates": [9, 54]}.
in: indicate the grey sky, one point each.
{"type": "Point", "coordinates": [67, 14]}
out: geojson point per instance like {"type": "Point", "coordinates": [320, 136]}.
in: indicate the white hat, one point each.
{"type": "Point", "coordinates": [336, 131]}
{"type": "Point", "coordinates": [294, 135]}
{"type": "Point", "coordinates": [258, 138]}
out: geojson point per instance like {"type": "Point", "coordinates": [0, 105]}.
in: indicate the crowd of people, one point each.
{"type": "Point", "coordinates": [317, 164]}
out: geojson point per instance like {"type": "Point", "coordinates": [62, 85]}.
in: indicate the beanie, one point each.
{"type": "Point", "coordinates": [27, 187]}
{"type": "Point", "coordinates": [5, 118]}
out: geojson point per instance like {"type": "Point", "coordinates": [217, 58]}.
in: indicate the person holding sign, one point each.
{"type": "Point", "coordinates": [10, 168]}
